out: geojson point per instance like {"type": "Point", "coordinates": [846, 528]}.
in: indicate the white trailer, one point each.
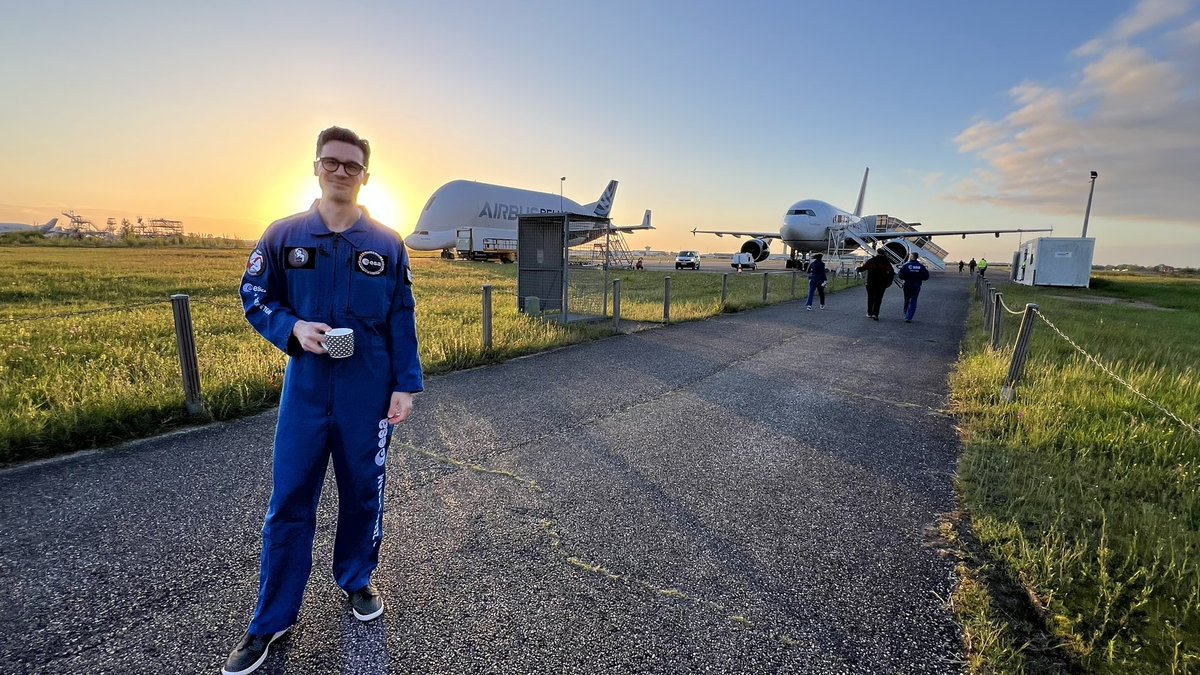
{"type": "Point", "coordinates": [1054, 261]}
{"type": "Point", "coordinates": [486, 243]}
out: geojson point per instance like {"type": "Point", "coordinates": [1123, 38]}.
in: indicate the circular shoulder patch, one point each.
{"type": "Point", "coordinates": [255, 264]}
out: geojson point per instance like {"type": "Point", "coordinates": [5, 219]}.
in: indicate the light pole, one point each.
{"type": "Point", "coordinates": [1088, 213]}
{"type": "Point", "coordinates": [564, 179]}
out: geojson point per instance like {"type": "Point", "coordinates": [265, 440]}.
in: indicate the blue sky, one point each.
{"type": "Point", "coordinates": [714, 115]}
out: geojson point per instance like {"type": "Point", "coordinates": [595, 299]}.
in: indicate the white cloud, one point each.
{"type": "Point", "coordinates": [1131, 115]}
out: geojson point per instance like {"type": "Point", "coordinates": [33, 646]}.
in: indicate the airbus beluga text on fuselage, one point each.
{"type": "Point", "coordinates": [464, 204]}
{"type": "Point", "coordinates": [811, 225]}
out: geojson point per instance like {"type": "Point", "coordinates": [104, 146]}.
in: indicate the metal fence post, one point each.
{"type": "Point", "coordinates": [1020, 352]}
{"type": "Point", "coordinates": [990, 312]}
{"type": "Point", "coordinates": [666, 299]}
{"type": "Point", "coordinates": [997, 314]}
{"type": "Point", "coordinates": [724, 288]}
{"type": "Point", "coordinates": [766, 284]}
{"type": "Point", "coordinates": [616, 305]}
{"type": "Point", "coordinates": [487, 317]}
{"type": "Point", "coordinates": [185, 341]}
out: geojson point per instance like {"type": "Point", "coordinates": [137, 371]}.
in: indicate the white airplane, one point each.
{"type": "Point", "coordinates": [18, 227]}
{"type": "Point", "coordinates": [462, 203]}
{"type": "Point", "coordinates": [809, 225]}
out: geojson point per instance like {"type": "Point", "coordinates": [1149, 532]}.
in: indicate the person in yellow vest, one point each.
{"type": "Point", "coordinates": [983, 267]}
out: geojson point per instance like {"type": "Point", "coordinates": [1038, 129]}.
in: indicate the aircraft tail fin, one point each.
{"type": "Point", "coordinates": [603, 206]}
{"type": "Point", "coordinates": [49, 226]}
{"type": "Point", "coordinates": [862, 193]}
{"type": "Point", "coordinates": [646, 221]}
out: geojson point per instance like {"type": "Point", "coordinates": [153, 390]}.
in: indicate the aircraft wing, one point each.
{"type": "Point", "coordinates": [894, 234]}
{"type": "Point", "coordinates": [739, 235]}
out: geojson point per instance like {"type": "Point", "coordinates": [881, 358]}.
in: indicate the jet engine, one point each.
{"type": "Point", "coordinates": [759, 248]}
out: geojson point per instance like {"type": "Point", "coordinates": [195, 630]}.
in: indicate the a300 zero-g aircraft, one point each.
{"type": "Point", "coordinates": [463, 203]}
{"type": "Point", "coordinates": [809, 225]}
{"type": "Point", "coordinates": [18, 227]}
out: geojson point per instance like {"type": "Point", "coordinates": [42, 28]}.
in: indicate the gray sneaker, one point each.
{"type": "Point", "coordinates": [250, 653]}
{"type": "Point", "coordinates": [366, 603]}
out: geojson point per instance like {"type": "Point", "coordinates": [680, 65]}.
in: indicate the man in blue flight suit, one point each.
{"type": "Point", "coordinates": [332, 266]}
{"type": "Point", "coordinates": [912, 273]}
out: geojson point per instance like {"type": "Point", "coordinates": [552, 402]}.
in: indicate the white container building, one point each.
{"type": "Point", "coordinates": [1054, 261]}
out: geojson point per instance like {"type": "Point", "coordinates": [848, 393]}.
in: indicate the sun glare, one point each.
{"type": "Point", "coordinates": [383, 205]}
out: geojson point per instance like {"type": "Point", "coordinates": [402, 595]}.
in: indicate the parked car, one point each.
{"type": "Point", "coordinates": [742, 261]}
{"type": "Point", "coordinates": [690, 259]}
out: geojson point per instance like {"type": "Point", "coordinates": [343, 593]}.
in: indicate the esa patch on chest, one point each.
{"type": "Point", "coordinates": [371, 263]}
{"type": "Point", "coordinates": [300, 257]}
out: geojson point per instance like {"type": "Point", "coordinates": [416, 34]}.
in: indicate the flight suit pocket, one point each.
{"type": "Point", "coordinates": [369, 296]}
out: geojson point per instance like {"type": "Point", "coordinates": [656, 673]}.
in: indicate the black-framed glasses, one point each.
{"type": "Point", "coordinates": [331, 165]}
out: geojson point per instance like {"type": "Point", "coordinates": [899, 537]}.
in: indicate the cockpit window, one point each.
{"type": "Point", "coordinates": [429, 203]}
{"type": "Point", "coordinates": [802, 212]}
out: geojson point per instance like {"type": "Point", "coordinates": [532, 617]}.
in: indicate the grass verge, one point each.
{"type": "Point", "coordinates": [1083, 498]}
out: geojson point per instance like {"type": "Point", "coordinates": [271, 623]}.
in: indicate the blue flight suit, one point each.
{"type": "Point", "coordinates": [331, 408]}
{"type": "Point", "coordinates": [912, 273]}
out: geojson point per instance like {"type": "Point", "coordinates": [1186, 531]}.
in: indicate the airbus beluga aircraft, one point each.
{"type": "Point", "coordinates": [18, 227]}
{"type": "Point", "coordinates": [463, 204]}
{"type": "Point", "coordinates": [810, 225]}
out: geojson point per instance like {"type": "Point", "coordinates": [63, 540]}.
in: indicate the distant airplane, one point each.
{"type": "Point", "coordinates": [18, 227]}
{"type": "Point", "coordinates": [463, 203]}
{"type": "Point", "coordinates": [810, 225]}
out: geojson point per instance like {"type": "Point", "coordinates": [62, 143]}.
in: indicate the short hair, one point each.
{"type": "Point", "coordinates": [914, 255]}
{"type": "Point", "coordinates": [817, 256]}
{"type": "Point", "coordinates": [346, 136]}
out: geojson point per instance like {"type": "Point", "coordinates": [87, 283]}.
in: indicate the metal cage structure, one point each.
{"type": "Point", "coordinates": [553, 284]}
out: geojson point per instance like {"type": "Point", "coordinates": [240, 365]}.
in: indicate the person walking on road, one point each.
{"type": "Point", "coordinates": [972, 266]}
{"type": "Point", "coordinates": [983, 267]}
{"type": "Point", "coordinates": [912, 273]}
{"type": "Point", "coordinates": [816, 280]}
{"type": "Point", "coordinates": [960, 266]}
{"type": "Point", "coordinates": [879, 276]}
{"type": "Point", "coordinates": [331, 266]}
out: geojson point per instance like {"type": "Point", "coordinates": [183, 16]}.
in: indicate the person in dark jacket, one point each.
{"type": "Point", "coordinates": [816, 280]}
{"type": "Point", "coordinates": [912, 273]}
{"type": "Point", "coordinates": [971, 265]}
{"type": "Point", "coordinates": [879, 276]}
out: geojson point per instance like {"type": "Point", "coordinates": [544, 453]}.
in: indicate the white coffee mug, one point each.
{"type": "Point", "coordinates": [339, 342]}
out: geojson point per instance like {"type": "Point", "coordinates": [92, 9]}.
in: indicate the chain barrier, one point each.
{"type": "Point", "coordinates": [83, 312]}
{"type": "Point", "coordinates": [1118, 378]}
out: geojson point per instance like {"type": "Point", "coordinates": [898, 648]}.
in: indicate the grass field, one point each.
{"type": "Point", "coordinates": [88, 356]}
{"type": "Point", "coordinates": [1082, 499]}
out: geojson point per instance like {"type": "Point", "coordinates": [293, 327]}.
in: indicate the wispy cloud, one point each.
{"type": "Point", "coordinates": [1132, 114]}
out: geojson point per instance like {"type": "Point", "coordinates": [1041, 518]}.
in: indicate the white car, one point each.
{"type": "Point", "coordinates": [690, 259]}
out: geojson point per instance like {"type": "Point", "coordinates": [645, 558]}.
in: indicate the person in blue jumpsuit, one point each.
{"type": "Point", "coordinates": [816, 280]}
{"type": "Point", "coordinates": [912, 273]}
{"type": "Point", "coordinates": [329, 267]}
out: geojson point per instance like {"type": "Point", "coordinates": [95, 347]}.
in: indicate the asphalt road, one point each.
{"type": "Point", "coordinates": [748, 494]}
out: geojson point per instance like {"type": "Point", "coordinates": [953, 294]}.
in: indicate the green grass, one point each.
{"type": "Point", "coordinates": [88, 355]}
{"type": "Point", "coordinates": [1083, 498]}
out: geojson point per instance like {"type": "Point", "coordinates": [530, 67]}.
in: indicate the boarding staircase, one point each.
{"type": "Point", "coordinates": [843, 241]}
{"type": "Point", "coordinates": [618, 254]}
